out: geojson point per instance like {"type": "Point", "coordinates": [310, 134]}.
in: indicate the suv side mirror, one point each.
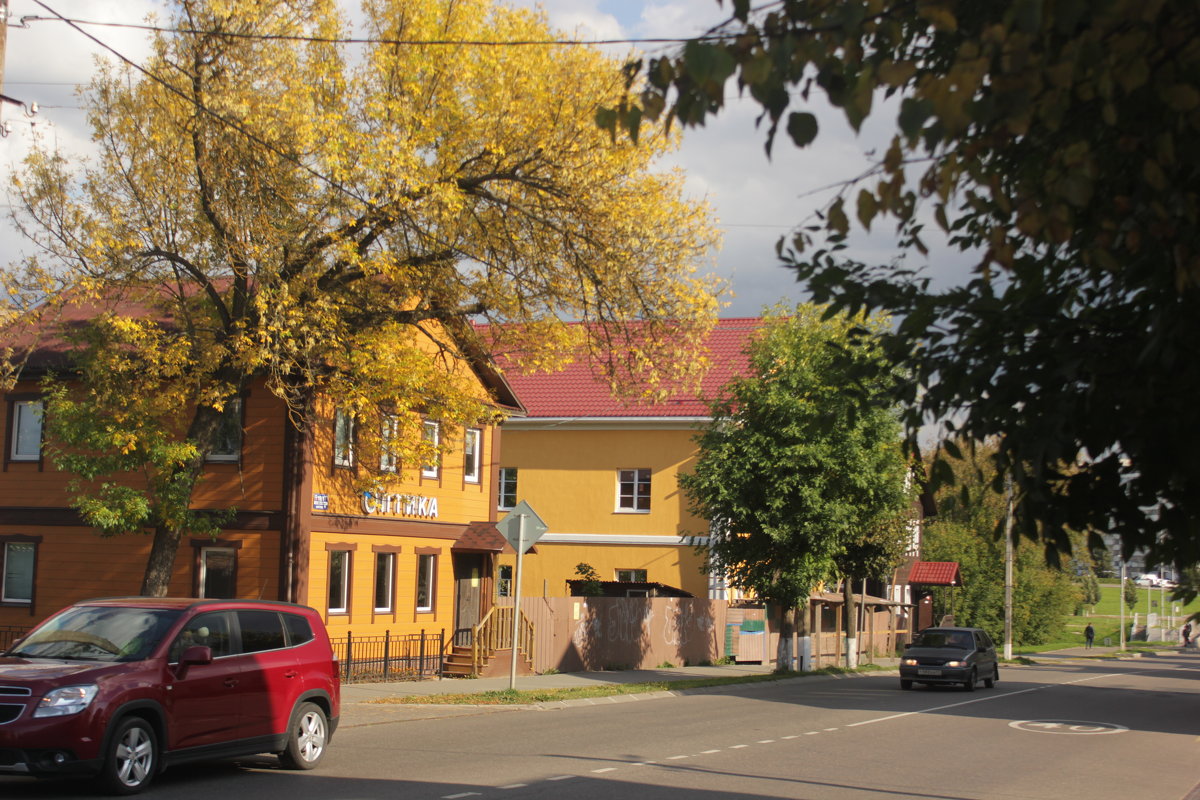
{"type": "Point", "coordinates": [196, 655]}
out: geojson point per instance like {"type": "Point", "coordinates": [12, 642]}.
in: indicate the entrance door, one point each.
{"type": "Point", "coordinates": [468, 595]}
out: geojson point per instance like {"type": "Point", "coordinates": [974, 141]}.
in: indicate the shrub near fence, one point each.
{"type": "Point", "coordinates": [404, 657]}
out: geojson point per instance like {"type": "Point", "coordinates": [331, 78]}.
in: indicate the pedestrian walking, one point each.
{"type": "Point", "coordinates": [1089, 635]}
{"type": "Point", "coordinates": [1187, 634]}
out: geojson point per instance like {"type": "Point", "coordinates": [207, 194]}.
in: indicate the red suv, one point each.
{"type": "Point", "coordinates": [122, 688]}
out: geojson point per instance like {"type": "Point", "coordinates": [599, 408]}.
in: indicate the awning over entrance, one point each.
{"type": "Point", "coordinates": [935, 573]}
{"type": "Point", "coordinates": [483, 537]}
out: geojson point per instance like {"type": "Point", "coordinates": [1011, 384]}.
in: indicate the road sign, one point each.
{"type": "Point", "coordinates": [522, 537]}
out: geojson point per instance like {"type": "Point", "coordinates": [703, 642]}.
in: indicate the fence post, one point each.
{"type": "Point", "coordinates": [387, 648]}
{"type": "Point", "coordinates": [421, 654]}
{"type": "Point", "coordinates": [349, 654]}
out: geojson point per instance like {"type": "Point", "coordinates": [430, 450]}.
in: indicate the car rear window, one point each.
{"type": "Point", "coordinates": [299, 631]}
{"type": "Point", "coordinates": [261, 630]}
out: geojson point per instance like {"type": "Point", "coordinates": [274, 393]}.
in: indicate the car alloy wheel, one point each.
{"type": "Point", "coordinates": [306, 738]}
{"type": "Point", "coordinates": [132, 757]}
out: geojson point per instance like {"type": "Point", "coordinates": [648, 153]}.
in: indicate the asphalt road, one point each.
{"type": "Point", "coordinates": [1071, 728]}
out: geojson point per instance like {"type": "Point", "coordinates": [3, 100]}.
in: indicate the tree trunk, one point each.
{"type": "Point", "coordinates": [851, 615]}
{"type": "Point", "coordinates": [156, 582]}
{"type": "Point", "coordinates": [804, 634]}
{"type": "Point", "coordinates": [783, 652]}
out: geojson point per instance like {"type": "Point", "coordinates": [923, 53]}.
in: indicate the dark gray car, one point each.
{"type": "Point", "coordinates": [957, 656]}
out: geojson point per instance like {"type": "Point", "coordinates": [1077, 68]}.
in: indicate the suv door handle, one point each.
{"type": "Point", "coordinates": [291, 674]}
{"type": "Point", "coordinates": [231, 682]}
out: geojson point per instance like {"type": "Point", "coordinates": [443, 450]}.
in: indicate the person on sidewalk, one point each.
{"type": "Point", "coordinates": [1089, 635]}
{"type": "Point", "coordinates": [1187, 634]}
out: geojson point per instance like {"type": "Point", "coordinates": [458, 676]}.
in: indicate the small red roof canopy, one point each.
{"type": "Point", "coordinates": [935, 573]}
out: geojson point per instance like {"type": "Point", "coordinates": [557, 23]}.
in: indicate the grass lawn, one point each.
{"type": "Point", "coordinates": [1148, 601]}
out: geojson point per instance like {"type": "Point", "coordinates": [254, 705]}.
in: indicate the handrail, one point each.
{"type": "Point", "coordinates": [494, 632]}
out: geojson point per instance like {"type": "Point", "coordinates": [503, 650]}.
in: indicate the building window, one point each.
{"type": "Point", "coordinates": [631, 575]}
{"type": "Point", "coordinates": [504, 580]}
{"type": "Point", "coordinates": [339, 581]}
{"type": "Point", "coordinates": [385, 581]}
{"type": "Point", "coordinates": [227, 442]}
{"type": "Point", "coordinates": [426, 572]}
{"type": "Point", "coordinates": [633, 490]}
{"type": "Point", "coordinates": [218, 572]}
{"type": "Point", "coordinates": [471, 455]}
{"type": "Point", "coordinates": [432, 434]}
{"type": "Point", "coordinates": [343, 438]}
{"type": "Point", "coordinates": [20, 559]}
{"type": "Point", "coordinates": [27, 430]}
{"type": "Point", "coordinates": [389, 432]}
{"type": "Point", "coordinates": [508, 488]}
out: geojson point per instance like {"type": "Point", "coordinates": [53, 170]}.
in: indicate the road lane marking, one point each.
{"type": "Point", "coordinates": [561, 778]}
{"type": "Point", "coordinates": [605, 769]}
{"type": "Point", "coordinates": [738, 746]}
{"type": "Point", "coordinates": [514, 786]}
{"type": "Point", "coordinates": [677, 758]}
{"type": "Point", "coordinates": [793, 736]}
{"type": "Point", "coordinates": [1067, 726]}
{"type": "Point", "coordinates": [989, 697]}
{"type": "Point", "coordinates": [460, 795]}
{"type": "Point", "coordinates": [765, 741]}
{"type": "Point", "coordinates": [812, 733]}
{"type": "Point", "coordinates": [709, 752]}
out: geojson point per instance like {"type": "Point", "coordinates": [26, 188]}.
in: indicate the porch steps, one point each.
{"type": "Point", "coordinates": [457, 664]}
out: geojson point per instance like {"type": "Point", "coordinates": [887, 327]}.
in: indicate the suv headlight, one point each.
{"type": "Point", "coordinates": [66, 701]}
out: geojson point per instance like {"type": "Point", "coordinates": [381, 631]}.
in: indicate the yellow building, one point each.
{"type": "Point", "coordinates": [416, 557]}
{"type": "Point", "coordinates": [603, 476]}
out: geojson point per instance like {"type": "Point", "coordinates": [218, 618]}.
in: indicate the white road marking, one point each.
{"type": "Point", "coordinates": [514, 786]}
{"type": "Point", "coordinates": [676, 758]}
{"type": "Point", "coordinates": [605, 769]}
{"type": "Point", "coordinates": [709, 752]}
{"type": "Point", "coordinates": [561, 778]}
{"type": "Point", "coordinates": [738, 746]}
{"type": "Point", "coordinates": [765, 741]}
{"type": "Point", "coordinates": [460, 794]}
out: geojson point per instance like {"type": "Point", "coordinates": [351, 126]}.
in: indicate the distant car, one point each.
{"type": "Point", "coordinates": [1149, 579]}
{"type": "Point", "coordinates": [956, 656]}
{"type": "Point", "coordinates": [122, 688]}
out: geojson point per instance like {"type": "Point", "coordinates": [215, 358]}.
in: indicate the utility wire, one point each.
{"type": "Point", "coordinates": [707, 37]}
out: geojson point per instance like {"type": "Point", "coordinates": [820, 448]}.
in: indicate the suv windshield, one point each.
{"type": "Point", "coordinates": [957, 639]}
{"type": "Point", "coordinates": [99, 633]}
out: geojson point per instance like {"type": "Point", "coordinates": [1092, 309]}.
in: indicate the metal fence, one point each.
{"type": "Point", "coordinates": [399, 657]}
{"type": "Point", "coordinates": [9, 634]}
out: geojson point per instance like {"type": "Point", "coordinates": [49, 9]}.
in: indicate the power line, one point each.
{"type": "Point", "coordinates": [352, 40]}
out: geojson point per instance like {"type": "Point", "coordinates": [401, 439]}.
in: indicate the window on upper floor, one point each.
{"type": "Point", "coordinates": [390, 431]}
{"type": "Point", "coordinates": [472, 454]}
{"type": "Point", "coordinates": [631, 575]}
{"type": "Point", "coordinates": [18, 560]}
{"type": "Point", "coordinates": [507, 488]}
{"type": "Point", "coordinates": [227, 443]}
{"type": "Point", "coordinates": [26, 432]}
{"type": "Point", "coordinates": [432, 433]}
{"type": "Point", "coordinates": [633, 490]}
{"type": "Point", "coordinates": [343, 438]}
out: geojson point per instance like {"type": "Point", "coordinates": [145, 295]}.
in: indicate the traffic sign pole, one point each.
{"type": "Point", "coordinates": [512, 672]}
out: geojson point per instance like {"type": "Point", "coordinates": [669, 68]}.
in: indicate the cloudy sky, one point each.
{"type": "Point", "coordinates": [756, 200]}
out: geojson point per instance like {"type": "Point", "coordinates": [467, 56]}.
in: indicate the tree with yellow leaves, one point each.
{"type": "Point", "coordinates": [279, 202]}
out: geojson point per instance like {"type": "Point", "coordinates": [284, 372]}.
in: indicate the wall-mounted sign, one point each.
{"type": "Point", "coordinates": [320, 502]}
{"type": "Point", "coordinates": [400, 505]}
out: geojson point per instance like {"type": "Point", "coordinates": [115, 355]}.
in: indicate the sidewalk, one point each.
{"type": "Point", "coordinates": [366, 692]}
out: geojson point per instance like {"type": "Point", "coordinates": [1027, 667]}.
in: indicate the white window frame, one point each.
{"type": "Point", "coordinates": [472, 454]}
{"type": "Point", "coordinates": [508, 477]}
{"type": "Point", "coordinates": [387, 560]}
{"type": "Point", "coordinates": [5, 564]}
{"type": "Point", "coordinates": [343, 438]}
{"type": "Point", "coordinates": [632, 578]}
{"type": "Point", "coordinates": [27, 430]}
{"type": "Point", "coordinates": [343, 607]}
{"type": "Point", "coordinates": [627, 501]}
{"type": "Point", "coordinates": [432, 432]}
{"type": "Point", "coordinates": [231, 411]}
{"type": "Point", "coordinates": [389, 432]}
{"type": "Point", "coordinates": [426, 572]}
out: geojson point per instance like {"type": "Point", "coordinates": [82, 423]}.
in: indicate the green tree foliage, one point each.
{"type": "Point", "coordinates": [801, 460]}
{"type": "Point", "coordinates": [1052, 141]}
{"type": "Point", "coordinates": [965, 530]}
{"type": "Point", "coordinates": [1130, 594]}
{"type": "Point", "coordinates": [332, 225]}
{"type": "Point", "coordinates": [589, 580]}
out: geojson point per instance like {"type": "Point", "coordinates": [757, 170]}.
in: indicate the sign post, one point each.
{"type": "Point", "coordinates": [522, 527]}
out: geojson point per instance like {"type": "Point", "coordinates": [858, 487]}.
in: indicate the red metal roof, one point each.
{"type": "Point", "coordinates": [935, 573]}
{"type": "Point", "coordinates": [577, 392]}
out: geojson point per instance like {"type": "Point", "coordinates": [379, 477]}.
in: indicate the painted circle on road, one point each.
{"type": "Point", "coordinates": [1068, 726]}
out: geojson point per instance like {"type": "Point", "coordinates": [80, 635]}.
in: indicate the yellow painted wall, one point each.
{"type": "Point", "coordinates": [362, 618]}
{"type": "Point", "coordinates": [570, 478]}
{"type": "Point", "coordinates": [545, 572]}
